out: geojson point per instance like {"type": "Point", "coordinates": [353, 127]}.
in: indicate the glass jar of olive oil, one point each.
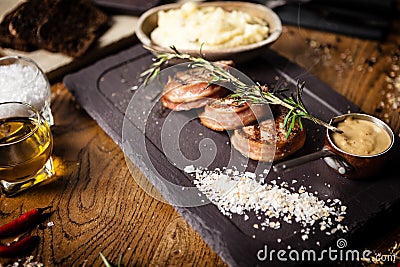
{"type": "Point", "coordinates": [26, 145]}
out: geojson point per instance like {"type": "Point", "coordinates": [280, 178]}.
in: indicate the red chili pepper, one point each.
{"type": "Point", "coordinates": [19, 247]}
{"type": "Point", "coordinates": [22, 223]}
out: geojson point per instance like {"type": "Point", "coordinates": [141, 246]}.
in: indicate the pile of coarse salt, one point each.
{"type": "Point", "coordinates": [24, 84]}
{"type": "Point", "coordinates": [235, 192]}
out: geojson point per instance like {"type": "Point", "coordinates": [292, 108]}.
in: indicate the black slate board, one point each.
{"type": "Point", "coordinates": [104, 91]}
{"type": "Point", "coordinates": [347, 19]}
{"type": "Point", "coordinates": [131, 7]}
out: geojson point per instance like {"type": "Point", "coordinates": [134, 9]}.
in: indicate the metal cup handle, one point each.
{"type": "Point", "coordinates": [290, 164]}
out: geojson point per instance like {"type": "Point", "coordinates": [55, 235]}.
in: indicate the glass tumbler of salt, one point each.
{"type": "Point", "coordinates": [22, 80]}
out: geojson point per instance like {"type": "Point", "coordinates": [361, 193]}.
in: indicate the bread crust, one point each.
{"type": "Point", "coordinates": [65, 26]}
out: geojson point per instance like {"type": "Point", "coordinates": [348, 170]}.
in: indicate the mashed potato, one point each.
{"type": "Point", "coordinates": [191, 26]}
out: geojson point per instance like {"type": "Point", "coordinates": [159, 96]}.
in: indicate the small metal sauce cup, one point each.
{"type": "Point", "coordinates": [344, 163]}
{"type": "Point", "coordinates": [352, 165]}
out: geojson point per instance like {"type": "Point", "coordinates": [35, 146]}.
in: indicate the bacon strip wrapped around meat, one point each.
{"type": "Point", "coordinates": [267, 140]}
{"type": "Point", "coordinates": [192, 89]}
{"type": "Point", "coordinates": [230, 113]}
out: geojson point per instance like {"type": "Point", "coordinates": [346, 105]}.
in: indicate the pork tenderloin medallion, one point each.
{"type": "Point", "coordinates": [230, 113]}
{"type": "Point", "coordinates": [198, 102]}
{"type": "Point", "coordinates": [267, 140]}
{"type": "Point", "coordinates": [192, 88]}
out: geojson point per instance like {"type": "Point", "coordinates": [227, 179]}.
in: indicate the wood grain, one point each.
{"type": "Point", "coordinates": [344, 63]}
{"type": "Point", "coordinates": [97, 205]}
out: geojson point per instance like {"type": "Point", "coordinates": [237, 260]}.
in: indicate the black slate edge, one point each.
{"type": "Point", "coordinates": [83, 86]}
{"type": "Point", "coordinates": [85, 92]}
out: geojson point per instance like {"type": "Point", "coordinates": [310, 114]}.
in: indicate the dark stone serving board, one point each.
{"type": "Point", "coordinates": [132, 7]}
{"type": "Point", "coordinates": [104, 91]}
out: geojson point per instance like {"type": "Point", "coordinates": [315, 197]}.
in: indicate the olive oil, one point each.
{"type": "Point", "coordinates": [25, 147]}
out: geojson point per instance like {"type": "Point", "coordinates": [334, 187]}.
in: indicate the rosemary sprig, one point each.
{"type": "Point", "coordinates": [255, 94]}
{"type": "Point", "coordinates": [108, 264]}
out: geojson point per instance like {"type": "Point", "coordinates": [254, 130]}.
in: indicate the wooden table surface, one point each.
{"type": "Point", "coordinates": [98, 207]}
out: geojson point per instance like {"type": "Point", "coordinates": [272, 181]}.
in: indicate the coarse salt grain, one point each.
{"type": "Point", "coordinates": [27, 263]}
{"type": "Point", "coordinates": [189, 169]}
{"type": "Point", "coordinates": [22, 83]}
{"type": "Point", "coordinates": [234, 192]}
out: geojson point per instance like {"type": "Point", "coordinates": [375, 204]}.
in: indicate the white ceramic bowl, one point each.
{"type": "Point", "coordinates": [148, 22]}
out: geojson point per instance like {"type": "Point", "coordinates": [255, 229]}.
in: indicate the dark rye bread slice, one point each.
{"type": "Point", "coordinates": [8, 40]}
{"type": "Point", "coordinates": [27, 17]}
{"type": "Point", "coordinates": [66, 26]}
{"type": "Point", "coordinates": [72, 27]}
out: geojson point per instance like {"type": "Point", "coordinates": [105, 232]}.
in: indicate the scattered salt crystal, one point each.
{"type": "Point", "coordinates": [27, 263]}
{"type": "Point", "coordinates": [339, 218]}
{"type": "Point", "coordinates": [189, 169]}
{"type": "Point", "coordinates": [234, 192]}
{"type": "Point", "coordinates": [250, 174]}
{"type": "Point", "coordinates": [50, 224]}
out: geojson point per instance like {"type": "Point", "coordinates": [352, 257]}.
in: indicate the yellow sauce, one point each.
{"type": "Point", "coordinates": [361, 137]}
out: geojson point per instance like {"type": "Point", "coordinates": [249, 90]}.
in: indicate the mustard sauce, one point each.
{"type": "Point", "coordinates": [361, 137]}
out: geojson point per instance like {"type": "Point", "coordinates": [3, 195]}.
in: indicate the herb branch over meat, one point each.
{"type": "Point", "coordinates": [255, 94]}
